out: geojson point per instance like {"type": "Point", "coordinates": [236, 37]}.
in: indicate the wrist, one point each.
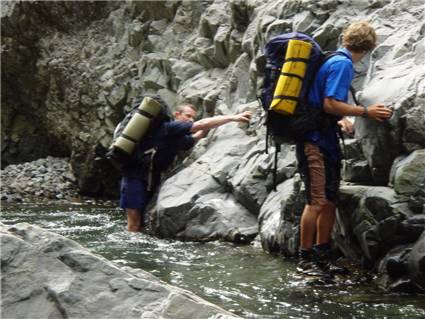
{"type": "Point", "coordinates": [365, 113]}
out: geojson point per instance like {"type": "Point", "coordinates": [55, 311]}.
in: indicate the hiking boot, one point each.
{"type": "Point", "coordinates": [325, 261]}
{"type": "Point", "coordinates": [310, 268]}
{"type": "Point", "coordinates": [332, 268]}
{"type": "Point", "coordinates": [307, 264]}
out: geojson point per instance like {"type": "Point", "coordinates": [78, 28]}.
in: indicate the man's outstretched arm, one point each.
{"type": "Point", "coordinates": [216, 121]}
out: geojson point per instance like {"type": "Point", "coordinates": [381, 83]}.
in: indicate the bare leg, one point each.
{"type": "Point", "coordinates": [134, 220]}
{"type": "Point", "coordinates": [325, 223]}
{"type": "Point", "coordinates": [308, 226]}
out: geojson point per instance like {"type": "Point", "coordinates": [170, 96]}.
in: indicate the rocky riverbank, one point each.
{"type": "Point", "coordinates": [47, 178]}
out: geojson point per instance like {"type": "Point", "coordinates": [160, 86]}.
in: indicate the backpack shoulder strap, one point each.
{"type": "Point", "coordinates": [331, 54]}
{"type": "Point", "coordinates": [353, 93]}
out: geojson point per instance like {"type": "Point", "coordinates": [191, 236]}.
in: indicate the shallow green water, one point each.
{"type": "Point", "coordinates": [242, 279]}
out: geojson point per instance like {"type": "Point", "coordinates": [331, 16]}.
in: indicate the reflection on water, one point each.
{"type": "Point", "coordinates": [241, 279]}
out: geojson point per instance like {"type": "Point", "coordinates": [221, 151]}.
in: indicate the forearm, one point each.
{"type": "Point", "coordinates": [199, 134]}
{"type": "Point", "coordinates": [211, 122]}
{"type": "Point", "coordinates": [335, 107]}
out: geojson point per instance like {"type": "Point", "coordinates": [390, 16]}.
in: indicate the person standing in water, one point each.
{"type": "Point", "coordinates": [319, 155]}
{"type": "Point", "coordinates": [167, 140]}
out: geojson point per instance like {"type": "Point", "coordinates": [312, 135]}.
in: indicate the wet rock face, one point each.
{"type": "Point", "coordinates": [77, 67]}
{"type": "Point", "coordinates": [45, 275]}
{"type": "Point", "coordinates": [29, 129]}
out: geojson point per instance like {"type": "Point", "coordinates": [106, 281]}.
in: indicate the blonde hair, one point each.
{"type": "Point", "coordinates": [359, 37]}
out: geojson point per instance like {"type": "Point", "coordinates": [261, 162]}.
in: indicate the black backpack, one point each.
{"type": "Point", "coordinates": [284, 128]}
{"type": "Point", "coordinates": [119, 159]}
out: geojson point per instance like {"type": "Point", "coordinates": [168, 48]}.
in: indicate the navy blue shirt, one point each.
{"type": "Point", "coordinates": [333, 81]}
{"type": "Point", "coordinates": [168, 139]}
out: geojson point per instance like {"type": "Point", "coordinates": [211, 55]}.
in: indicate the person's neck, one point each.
{"type": "Point", "coordinates": [357, 56]}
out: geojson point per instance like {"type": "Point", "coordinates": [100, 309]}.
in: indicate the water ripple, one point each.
{"type": "Point", "coordinates": [242, 279]}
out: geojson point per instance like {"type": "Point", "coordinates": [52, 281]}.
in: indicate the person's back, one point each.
{"type": "Point", "coordinates": [161, 146]}
{"type": "Point", "coordinates": [332, 80]}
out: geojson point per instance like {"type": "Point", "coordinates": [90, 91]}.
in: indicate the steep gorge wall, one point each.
{"type": "Point", "coordinates": [42, 89]}
{"type": "Point", "coordinates": [69, 69]}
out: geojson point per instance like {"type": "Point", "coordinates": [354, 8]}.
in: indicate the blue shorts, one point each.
{"type": "Point", "coordinates": [134, 193]}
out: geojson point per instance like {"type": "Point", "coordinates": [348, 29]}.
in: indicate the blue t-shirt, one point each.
{"type": "Point", "coordinates": [168, 139]}
{"type": "Point", "coordinates": [333, 81]}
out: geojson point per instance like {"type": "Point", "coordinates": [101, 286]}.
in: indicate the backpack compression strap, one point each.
{"type": "Point", "coordinates": [353, 93]}
{"type": "Point", "coordinates": [275, 166]}
{"type": "Point", "coordinates": [151, 152]}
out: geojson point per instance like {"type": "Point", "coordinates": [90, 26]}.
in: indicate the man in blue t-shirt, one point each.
{"type": "Point", "coordinates": [319, 157]}
{"type": "Point", "coordinates": [160, 148]}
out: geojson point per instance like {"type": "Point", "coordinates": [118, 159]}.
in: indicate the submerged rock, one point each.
{"type": "Point", "coordinates": [416, 263]}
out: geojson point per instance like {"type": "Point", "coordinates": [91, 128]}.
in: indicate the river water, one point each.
{"type": "Point", "coordinates": [242, 279]}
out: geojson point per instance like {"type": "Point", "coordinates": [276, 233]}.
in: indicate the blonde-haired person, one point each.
{"type": "Point", "coordinates": [319, 155]}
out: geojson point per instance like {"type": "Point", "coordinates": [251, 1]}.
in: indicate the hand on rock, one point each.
{"type": "Point", "coordinates": [243, 117]}
{"type": "Point", "coordinates": [379, 112]}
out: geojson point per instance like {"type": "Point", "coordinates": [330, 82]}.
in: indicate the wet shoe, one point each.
{"type": "Point", "coordinates": [333, 269]}
{"type": "Point", "coordinates": [310, 268]}
{"type": "Point", "coordinates": [323, 256]}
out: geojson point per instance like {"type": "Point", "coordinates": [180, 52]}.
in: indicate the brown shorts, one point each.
{"type": "Point", "coordinates": [321, 176]}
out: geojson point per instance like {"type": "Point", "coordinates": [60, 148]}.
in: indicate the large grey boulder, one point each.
{"type": "Point", "coordinates": [355, 167]}
{"type": "Point", "coordinates": [409, 175]}
{"type": "Point", "coordinates": [403, 268]}
{"type": "Point", "coordinates": [219, 216]}
{"type": "Point", "coordinates": [414, 122]}
{"type": "Point", "coordinates": [193, 204]}
{"type": "Point", "coordinates": [227, 178]}
{"type": "Point", "coordinates": [280, 216]}
{"type": "Point", "coordinates": [416, 263]}
{"type": "Point", "coordinates": [365, 216]}
{"type": "Point", "coordinates": [253, 181]}
{"type": "Point", "coordinates": [376, 227]}
{"type": "Point", "coordinates": [45, 275]}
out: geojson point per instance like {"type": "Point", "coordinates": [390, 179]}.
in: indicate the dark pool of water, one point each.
{"type": "Point", "coordinates": [242, 279]}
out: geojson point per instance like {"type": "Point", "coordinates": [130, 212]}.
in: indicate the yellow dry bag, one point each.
{"type": "Point", "coordinates": [290, 81]}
